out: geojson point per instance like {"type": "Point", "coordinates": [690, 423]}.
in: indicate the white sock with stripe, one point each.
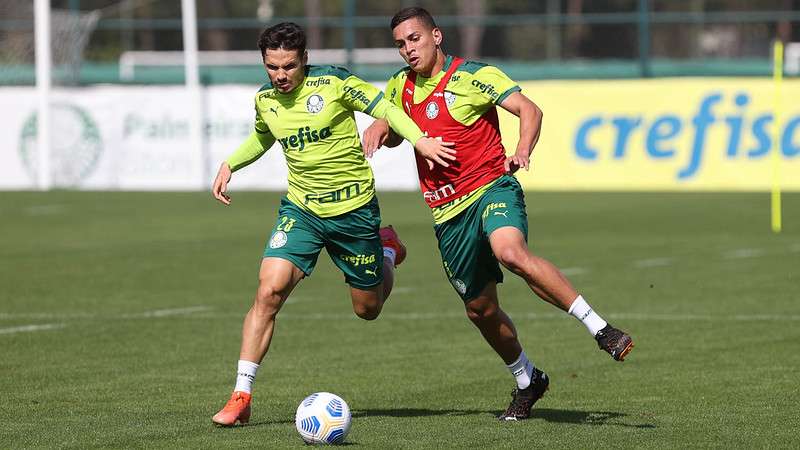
{"type": "Point", "coordinates": [245, 376]}
{"type": "Point", "coordinates": [522, 369]}
{"type": "Point", "coordinates": [583, 312]}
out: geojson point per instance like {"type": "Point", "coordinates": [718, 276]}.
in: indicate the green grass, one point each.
{"type": "Point", "coordinates": [716, 362]}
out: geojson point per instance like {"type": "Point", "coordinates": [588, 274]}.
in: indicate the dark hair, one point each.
{"type": "Point", "coordinates": [414, 12]}
{"type": "Point", "coordinates": [285, 35]}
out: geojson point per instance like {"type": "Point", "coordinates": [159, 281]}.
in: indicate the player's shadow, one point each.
{"type": "Point", "coordinates": [585, 417]}
{"type": "Point", "coordinates": [550, 415]}
{"type": "Point", "coordinates": [416, 412]}
{"type": "Point", "coordinates": [592, 418]}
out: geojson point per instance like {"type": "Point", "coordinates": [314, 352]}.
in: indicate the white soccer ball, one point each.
{"type": "Point", "coordinates": [323, 418]}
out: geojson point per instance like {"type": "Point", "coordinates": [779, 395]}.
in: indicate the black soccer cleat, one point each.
{"type": "Point", "coordinates": [523, 399]}
{"type": "Point", "coordinates": [616, 342]}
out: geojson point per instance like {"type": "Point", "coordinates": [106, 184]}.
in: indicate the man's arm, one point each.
{"type": "Point", "coordinates": [251, 149]}
{"type": "Point", "coordinates": [364, 97]}
{"type": "Point", "coordinates": [433, 150]}
{"type": "Point", "coordinates": [378, 134]}
{"type": "Point", "coordinates": [530, 126]}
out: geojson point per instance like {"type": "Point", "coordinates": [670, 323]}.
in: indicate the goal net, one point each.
{"type": "Point", "coordinates": [59, 165]}
{"type": "Point", "coordinates": [69, 35]}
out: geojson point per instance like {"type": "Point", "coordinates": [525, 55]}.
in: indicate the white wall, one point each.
{"type": "Point", "coordinates": [137, 138]}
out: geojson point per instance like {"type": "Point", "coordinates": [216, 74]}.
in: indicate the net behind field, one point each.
{"type": "Point", "coordinates": [69, 35]}
{"type": "Point", "coordinates": [74, 138]}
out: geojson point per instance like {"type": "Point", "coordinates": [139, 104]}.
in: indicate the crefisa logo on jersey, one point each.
{"type": "Point", "coordinates": [432, 110]}
{"type": "Point", "coordinates": [315, 103]}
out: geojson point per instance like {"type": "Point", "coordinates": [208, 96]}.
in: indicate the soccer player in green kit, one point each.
{"type": "Point", "coordinates": [477, 204]}
{"type": "Point", "coordinates": [331, 199]}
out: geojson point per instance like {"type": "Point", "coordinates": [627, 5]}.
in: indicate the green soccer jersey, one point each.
{"type": "Point", "coordinates": [316, 127]}
{"type": "Point", "coordinates": [473, 88]}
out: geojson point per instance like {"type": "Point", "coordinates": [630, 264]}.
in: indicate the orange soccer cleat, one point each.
{"type": "Point", "coordinates": [389, 238]}
{"type": "Point", "coordinates": [237, 409]}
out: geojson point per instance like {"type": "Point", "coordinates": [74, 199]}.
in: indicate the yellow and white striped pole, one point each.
{"type": "Point", "coordinates": [777, 77]}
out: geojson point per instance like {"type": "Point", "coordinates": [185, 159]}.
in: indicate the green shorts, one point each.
{"type": "Point", "coordinates": [351, 239]}
{"type": "Point", "coordinates": [464, 240]}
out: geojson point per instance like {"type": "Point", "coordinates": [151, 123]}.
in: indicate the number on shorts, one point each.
{"type": "Point", "coordinates": [286, 224]}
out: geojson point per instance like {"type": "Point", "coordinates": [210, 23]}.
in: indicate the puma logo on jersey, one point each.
{"type": "Point", "coordinates": [274, 111]}
{"type": "Point", "coordinates": [370, 272]}
{"type": "Point", "coordinates": [491, 207]}
{"type": "Point", "coordinates": [503, 213]}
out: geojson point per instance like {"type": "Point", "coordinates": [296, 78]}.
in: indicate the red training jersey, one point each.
{"type": "Point", "coordinates": [480, 155]}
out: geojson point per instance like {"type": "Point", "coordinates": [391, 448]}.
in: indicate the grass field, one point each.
{"type": "Point", "coordinates": [120, 317]}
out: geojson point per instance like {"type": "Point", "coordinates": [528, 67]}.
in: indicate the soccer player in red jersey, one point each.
{"type": "Point", "coordinates": [478, 206]}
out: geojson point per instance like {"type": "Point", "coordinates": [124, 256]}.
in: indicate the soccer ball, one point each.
{"type": "Point", "coordinates": [322, 418]}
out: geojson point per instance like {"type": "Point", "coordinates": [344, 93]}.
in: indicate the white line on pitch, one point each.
{"type": "Point", "coordinates": [296, 299]}
{"type": "Point", "coordinates": [652, 262]}
{"type": "Point", "coordinates": [403, 290]}
{"type": "Point", "coordinates": [572, 271]}
{"type": "Point", "coordinates": [559, 316]}
{"type": "Point", "coordinates": [44, 210]}
{"type": "Point", "coordinates": [166, 312]}
{"type": "Point", "coordinates": [197, 312]}
{"type": "Point", "coordinates": [47, 316]}
{"type": "Point", "coordinates": [743, 253]}
{"type": "Point", "coordinates": [29, 328]}
{"type": "Point", "coordinates": [82, 315]}
{"type": "Point", "coordinates": [304, 298]}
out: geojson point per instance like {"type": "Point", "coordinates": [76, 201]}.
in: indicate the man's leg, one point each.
{"type": "Point", "coordinates": [277, 278]}
{"type": "Point", "coordinates": [498, 330]}
{"type": "Point", "coordinates": [511, 250]}
{"type": "Point", "coordinates": [509, 246]}
{"type": "Point", "coordinates": [368, 302]}
{"type": "Point", "coordinates": [494, 324]}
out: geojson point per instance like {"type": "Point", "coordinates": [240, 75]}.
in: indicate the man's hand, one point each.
{"type": "Point", "coordinates": [435, 151]}
{"type": "Point", "coordinates": [221, 184]}
{"type": "Point", "coordinates": [520, 159]}
{"type": "Point", "coordinates": [374, 137]}
{"type": "Point", "coordinates": [530, 126]}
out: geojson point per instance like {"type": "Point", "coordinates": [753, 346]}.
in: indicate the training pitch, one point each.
{"type": "Point", "coordinates": [120, 319]}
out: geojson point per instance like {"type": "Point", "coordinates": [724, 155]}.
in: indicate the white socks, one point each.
{"type": "Point", "coordinates": [390, 254]}
{"type": "Point", "coordinates": [522, 369]}
{"type": "Point", "coordinates": [583, 312]}
{"type": "Point", "coordinates": [245, 375]}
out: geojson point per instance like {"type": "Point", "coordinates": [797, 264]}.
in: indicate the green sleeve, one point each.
{"type": "Point", "coordinates": [493, 85]}
{"type": "Point", "coordinates": [398, 120]}
{"type": "Point", "coordinates": [393, 90]}
{"type": "Point", "coordinates": [251, 149]}
{"type": "Point", "coordinates": [358, 95]}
